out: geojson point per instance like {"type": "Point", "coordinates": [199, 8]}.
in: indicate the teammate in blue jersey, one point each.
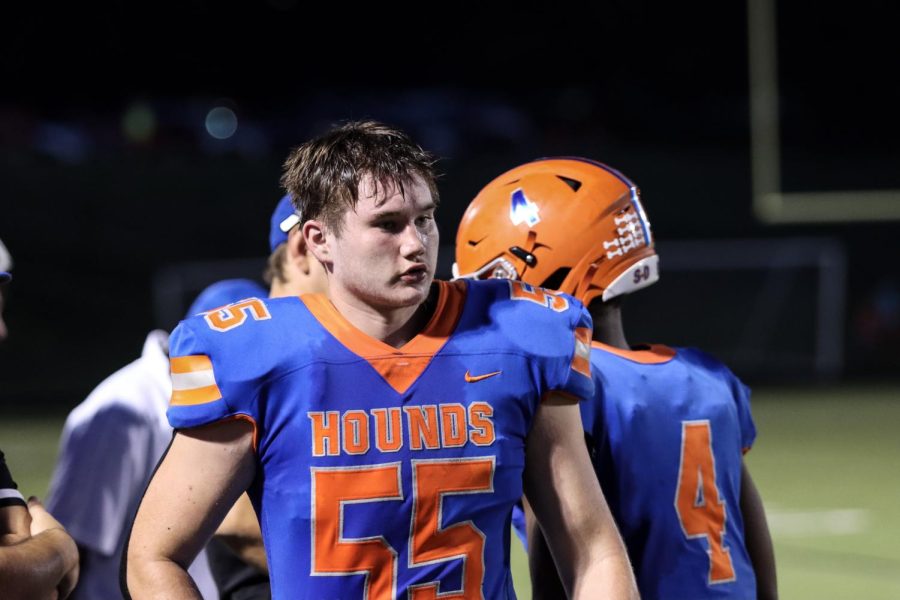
{"type": "Point", "coordinates": [385, 431]}
{"type": "Point", "coordinates": [667, 427]}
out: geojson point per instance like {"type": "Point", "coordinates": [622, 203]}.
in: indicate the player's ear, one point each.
{"type": "Point", "coordinates": [316, 240]}
{"type": "Point", "coordinates": [298, 252]}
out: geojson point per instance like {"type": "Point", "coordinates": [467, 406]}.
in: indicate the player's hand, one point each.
{"type": "Point", "coordinates": [43, 522]}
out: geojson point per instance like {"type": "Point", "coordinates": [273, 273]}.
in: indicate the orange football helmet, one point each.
{"type": "Point", "coordinates": [567, 224]}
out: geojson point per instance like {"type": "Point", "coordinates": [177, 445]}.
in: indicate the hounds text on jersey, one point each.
{"type": "Point", "coordinates": [427, 427]}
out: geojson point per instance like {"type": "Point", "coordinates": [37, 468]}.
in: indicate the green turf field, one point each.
{"type": "Point", "coordinates": [827, 462]}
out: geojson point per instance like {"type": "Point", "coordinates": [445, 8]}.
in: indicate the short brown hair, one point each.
{"type": "Point", "coordinates": [322, 176]}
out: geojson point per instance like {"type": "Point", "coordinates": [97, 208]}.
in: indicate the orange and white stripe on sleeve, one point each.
{"type": "Point", "coordinates": [193, 381]}
{"type": "Point", "coordinates": [581, 361]}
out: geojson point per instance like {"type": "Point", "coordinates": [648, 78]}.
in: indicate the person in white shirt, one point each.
{"type": "Point", "coordinates": [109, 449]}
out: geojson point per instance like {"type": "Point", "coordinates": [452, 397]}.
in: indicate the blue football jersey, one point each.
{"type": "Point", "coordinates": [668, 428]}
{"type": "Point", "coordinates": [385, 472]}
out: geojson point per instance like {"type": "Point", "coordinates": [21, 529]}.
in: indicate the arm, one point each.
{"type": "Point", "coordinates": [240, 532]}
{"type": "Point", "coordinates": [545, 583]}
{"type": "Point", "coordinates": [43, 566]}
{"type": "Point", "coordinates": [15, 523]}
{"type": "Point", "coordinates": [759, 542]}
{"type": "Point", "coordinates": [201, 476]}
{"type": "Point", "coordinates": [573, 514]}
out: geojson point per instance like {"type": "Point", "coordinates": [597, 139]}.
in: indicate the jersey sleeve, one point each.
{"type": "Point", "coordinates": [741, 395]}
{"type": "Point", "coordinates": [728, 383]}
{"type": "Point", "coordinates": [553, 329]}
{"type": "Point", "coordinates": [573, 369]}
{"type": "Point", "coordinates": [9, 492]}
{"type": "Point", "coordinates": [212, 375]}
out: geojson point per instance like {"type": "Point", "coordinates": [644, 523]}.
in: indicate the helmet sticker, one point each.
{"type": "Point", "coordinates": [523, 210]}
{"type": "Point", "coordinates": [630, 235]}
{"type": "Point", "coordinates": [645, 222]}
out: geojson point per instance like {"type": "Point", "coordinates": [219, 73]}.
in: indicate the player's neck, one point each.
{"type": "Point", "coordinates": [289, 288]}
{"type": "Point", "coordinates": [394, 327]}
{"type": "Point", "coordinates": [608, 327]}
{"type": "Point", "coordinates": [278, 290]}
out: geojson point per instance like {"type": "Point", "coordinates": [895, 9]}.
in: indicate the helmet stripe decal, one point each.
{"type": "Point", "coordinates": [642, 216]}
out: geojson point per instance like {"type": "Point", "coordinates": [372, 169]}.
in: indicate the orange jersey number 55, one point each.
{"type": "Point", "coordinates": [335, 555]}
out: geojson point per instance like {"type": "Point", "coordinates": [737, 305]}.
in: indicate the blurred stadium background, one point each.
{"type": "Point", "coordinates": [141, 150]}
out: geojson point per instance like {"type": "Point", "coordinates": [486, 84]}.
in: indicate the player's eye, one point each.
{"type": "Point", "coordinates": [388, 226]}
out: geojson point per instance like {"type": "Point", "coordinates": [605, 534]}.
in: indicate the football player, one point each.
{"type": "Point", "coordinates": [667, 427]}
{"type": "Point", "coordinates": [383, 431]}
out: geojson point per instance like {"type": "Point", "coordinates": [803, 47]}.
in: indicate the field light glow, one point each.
{"type": "Point", "coordinates": [221, 123]}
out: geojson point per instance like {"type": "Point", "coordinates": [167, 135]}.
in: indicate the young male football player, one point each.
{"type": "Point", "coordinates": [667, 427]}
{"type": "Point", "coordinates": [383, 429]}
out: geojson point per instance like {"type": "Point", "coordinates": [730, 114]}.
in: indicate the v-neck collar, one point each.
{"type": "Point", "coordinates": [400, 367]}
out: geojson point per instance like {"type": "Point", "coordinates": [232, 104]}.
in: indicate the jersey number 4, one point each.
{"type": "Point", "coordinates": [430, 543]}
{"type": "Point", "coordinates": [700, 510]}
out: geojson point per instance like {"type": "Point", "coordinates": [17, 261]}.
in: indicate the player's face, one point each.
{"type": "Point", "coordinates": [386, 252]}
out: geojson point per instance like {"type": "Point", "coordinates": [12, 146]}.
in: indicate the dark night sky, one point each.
{"type": "Point", "coordinates": [659, 69]}
{"type": "Point", "coordinates": [254, 49]}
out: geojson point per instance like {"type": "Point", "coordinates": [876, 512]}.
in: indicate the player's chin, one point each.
{"type": "Point", "coordinates": [409, 293]}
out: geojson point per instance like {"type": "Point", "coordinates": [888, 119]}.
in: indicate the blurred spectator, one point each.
{"type": "Point", "coordinates": [38, 559]}
{"type": "Point", "coordinates": [110, 445]}
{"type": "Point", "coordinates": [5, 266]}
{"type": "Point", "coordinates": [43, 563]}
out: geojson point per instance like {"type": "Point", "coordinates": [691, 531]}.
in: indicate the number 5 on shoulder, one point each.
{"type": "Point", "coordinates": [519, 290]}
{"type": "Point", "coordinates": [700, 510]}
{"type": "Point", "coordinates": [234, 315]}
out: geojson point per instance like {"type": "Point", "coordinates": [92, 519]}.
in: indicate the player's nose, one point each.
{"type": "Point", "coordinates": [413, 241]}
